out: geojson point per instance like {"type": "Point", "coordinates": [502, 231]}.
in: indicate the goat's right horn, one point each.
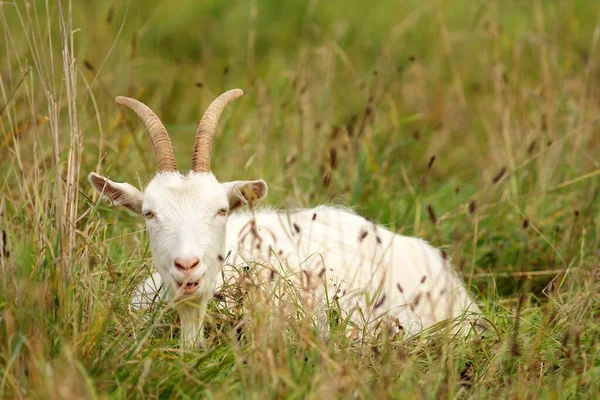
{"type": "Point", "coordinates": [207, 128]}
{"type": "Point", "coordinates": [156, 130]}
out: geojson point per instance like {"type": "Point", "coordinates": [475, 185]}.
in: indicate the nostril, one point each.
{"type": "Point", "coordinates": [186, 263]}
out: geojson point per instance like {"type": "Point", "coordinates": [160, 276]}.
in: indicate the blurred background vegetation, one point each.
{"type": "Point", "coordinates": [473, 124]}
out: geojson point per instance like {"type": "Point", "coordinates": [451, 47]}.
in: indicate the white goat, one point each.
{"type": "Point", "coordinates": [196, 225]}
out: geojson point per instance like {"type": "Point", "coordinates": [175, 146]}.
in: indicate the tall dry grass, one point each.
{"type": "Point", "coordinates": [474, 125]}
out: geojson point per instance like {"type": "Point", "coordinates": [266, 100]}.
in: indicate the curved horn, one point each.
{"type": "Point", "coordinates": [207, 128]}
{"type": "Point", "coordinates": [156, 130]}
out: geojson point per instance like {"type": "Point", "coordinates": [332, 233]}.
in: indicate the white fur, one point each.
{"type": "Point", "coordinates": [331, 252]}
{"type": "Point", "coordinates": [326, 252]}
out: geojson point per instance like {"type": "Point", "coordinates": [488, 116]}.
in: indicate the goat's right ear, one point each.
{"type": "Point", "coordinates": [119, 194]}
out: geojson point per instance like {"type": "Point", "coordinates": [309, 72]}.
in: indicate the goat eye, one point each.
{"type": "Point", "coordinates": [222, 212]}
{"type": "Point", "coordinates": [149, 215]}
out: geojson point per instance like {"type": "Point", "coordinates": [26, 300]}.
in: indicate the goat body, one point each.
{"type": "Point", "coordinates": [330, 253]}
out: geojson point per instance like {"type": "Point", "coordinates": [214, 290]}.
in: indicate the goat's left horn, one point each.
{"type": "Point", "coordinates": [207, 129]}
{"type": "Point", "coordinates": [156, 130]}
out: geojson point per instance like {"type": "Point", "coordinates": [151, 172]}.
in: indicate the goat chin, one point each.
{"type": "Point", "coordinates": [332, 253]}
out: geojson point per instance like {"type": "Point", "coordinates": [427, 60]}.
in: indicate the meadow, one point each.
{"type": "Point", "coordinates": [472, 124]}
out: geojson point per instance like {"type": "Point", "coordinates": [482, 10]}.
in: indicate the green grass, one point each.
{"type": "Point", "coordinates": [381, 87]}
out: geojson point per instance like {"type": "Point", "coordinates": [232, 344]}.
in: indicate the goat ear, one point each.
{"type": "Point", "coordinates": [119, 194]}
{"type": "Point", "coordinates": [245, 192]}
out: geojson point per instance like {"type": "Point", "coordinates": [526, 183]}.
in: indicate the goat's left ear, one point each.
{"type": "Point", "coordinates": [245, 192]}
{"type": "Point", "coordinates": [120, 194]}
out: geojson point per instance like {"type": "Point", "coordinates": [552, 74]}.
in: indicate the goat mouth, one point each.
{"type": "Point", "coordinates": [188, 287]}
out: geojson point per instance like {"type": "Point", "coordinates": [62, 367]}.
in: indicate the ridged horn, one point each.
{"type": "Point", "coordinates": [156, 130]}
{"type": "Point", "coordinates": [207, 129]}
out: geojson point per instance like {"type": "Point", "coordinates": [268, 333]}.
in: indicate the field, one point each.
{"type": "Point", "coordinates": [472, 124]}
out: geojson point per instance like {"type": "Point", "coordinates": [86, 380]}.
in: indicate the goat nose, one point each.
{"type": "Point", "coordinates": [185, 263]}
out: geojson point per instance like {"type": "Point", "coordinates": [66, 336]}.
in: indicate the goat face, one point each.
{"type": "Point", "coordinates": [186, 218]}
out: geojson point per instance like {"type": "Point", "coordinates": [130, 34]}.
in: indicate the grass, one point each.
{"type": "Point", "coordinates": [473, 124]}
